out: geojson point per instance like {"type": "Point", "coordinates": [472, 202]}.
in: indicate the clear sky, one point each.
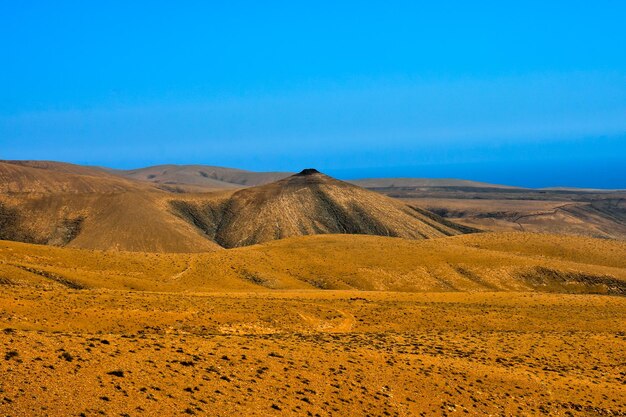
{"type": "Point", "coordinates": [529, 93]}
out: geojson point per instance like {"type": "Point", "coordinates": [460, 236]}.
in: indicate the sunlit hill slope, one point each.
{"type": "Point", "coordinates": [480, 262]}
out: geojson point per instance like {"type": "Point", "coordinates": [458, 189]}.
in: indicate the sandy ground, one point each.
{"type": "Point", "coordinates": [320, 353]}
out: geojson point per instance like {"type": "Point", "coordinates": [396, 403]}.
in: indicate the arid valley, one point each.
{"type": "Point", "coordinates": [206, 291]}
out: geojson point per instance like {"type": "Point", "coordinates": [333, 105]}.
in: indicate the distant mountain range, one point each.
{"type": "Point", "coordinates": [197, 177]}
{"type": "Point", "coordinates": [200, 176]}
{"type": "Point", "coordinates": [211, 177]}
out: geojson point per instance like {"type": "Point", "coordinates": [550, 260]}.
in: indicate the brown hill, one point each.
{"type": "Point", "coordinates": [309, 203]}
{"type": "Point", "coordinates": [57, 177]}
{"type": "Point", "coordinates": [65, 204]}
{"type": "Point", "coordinates": [200, 176]}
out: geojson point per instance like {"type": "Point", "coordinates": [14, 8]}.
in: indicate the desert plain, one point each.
{"type": "Point", "coordinates": [126, 334]}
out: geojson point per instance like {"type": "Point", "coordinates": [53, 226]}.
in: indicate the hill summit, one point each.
{"type": "Point", "coordinates": [309, 203]}
{"type": "Point", "coordinates": [308, 171]}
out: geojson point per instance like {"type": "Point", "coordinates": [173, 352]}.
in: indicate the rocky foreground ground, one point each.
{"type": "Point", "coordinates": [320, 353]}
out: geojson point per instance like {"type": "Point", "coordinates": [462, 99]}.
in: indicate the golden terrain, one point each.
{"type": "Point", "coordinates": [506, 323]}
{"type": "Point", "coordinates": [482, 324]}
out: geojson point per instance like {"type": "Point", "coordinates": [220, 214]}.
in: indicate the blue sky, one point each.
{"type": "Point", "coordinates": [525, 93]}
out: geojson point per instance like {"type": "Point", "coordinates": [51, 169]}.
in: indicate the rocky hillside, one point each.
{"type": "Point", "coordinates": [309, 203]}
